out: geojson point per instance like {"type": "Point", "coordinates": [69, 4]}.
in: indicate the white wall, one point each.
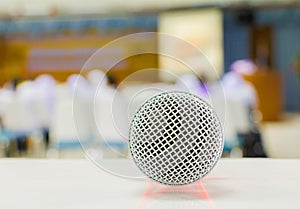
{"type": "Point", "coordinates": [198, 28]}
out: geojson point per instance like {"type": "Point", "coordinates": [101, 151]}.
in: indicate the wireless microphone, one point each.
{"type": "Point", "coordinates": [176, 138]}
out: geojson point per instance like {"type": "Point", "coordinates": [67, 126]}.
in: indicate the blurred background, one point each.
{"type": "Point", "coordinates": [251, 56]}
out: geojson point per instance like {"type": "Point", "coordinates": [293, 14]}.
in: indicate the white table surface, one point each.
{"type": "Point", "coordinates": [234, 183]}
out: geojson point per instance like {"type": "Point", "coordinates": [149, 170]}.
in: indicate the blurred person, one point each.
{"type": "Point", "coordinates": [243, 67]}
{"type": "Point", "coordinates": [12, 84]}
{"type": "Point", "coordinates": [110, 122]}
{"type": "Point", "coordinates": [45, 85]}
{"type": "Point", "coordinates": [96, 77]}
{"type": "Point", "coordinates": [111, 81]}
{"type": "Point", "coordinates": [19, 119]}
{"type": "Point", "coordinates": [6, 95]}
{"type": "Point", "coordinates": [236, 87]}
{"type": "Point", "coordinates": [38, 97]}
{"type": "Point", "coordinates": [44, 102]}
{"type": "Point", "coordinates": [101, 84]}
{"type": "Point", "coordinates": [77, 85]}
{"type": "Point", "coordinates": [242, 102]}
{"type": "Point", "coordinates": [26, 92]}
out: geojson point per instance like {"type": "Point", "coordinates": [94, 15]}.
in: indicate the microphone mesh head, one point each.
{"type": "Point", "coordinates": [175, 138]}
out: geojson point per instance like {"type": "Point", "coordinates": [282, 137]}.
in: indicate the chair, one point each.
{"type": "Point", "coordinates": [70, 126]}
{"type": "Point", "coordinates": [111, 123]}
{"type": "Point", "coordinates": [233, 114]}
{"type": "Point", "coordinates": [44, 99]}
{"type": "Point", "coordinates": [19, 119]}
{"type": "Point", "coordinates": [19, 124]}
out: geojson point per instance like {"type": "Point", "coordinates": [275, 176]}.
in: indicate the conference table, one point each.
{"type": "Point", "coordinates": [233, 183]}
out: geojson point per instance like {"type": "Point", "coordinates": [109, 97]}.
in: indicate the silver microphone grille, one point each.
{"type": "Point", "coordinates": [175, 138]}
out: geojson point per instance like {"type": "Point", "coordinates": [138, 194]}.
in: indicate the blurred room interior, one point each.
{"type": "Point", "coordinates": [49, 97]}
